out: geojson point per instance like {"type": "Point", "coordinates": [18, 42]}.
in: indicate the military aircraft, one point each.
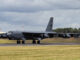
{"type": "Point", "coordinates": [22, 36]}
{"type": "Point", "coordinates": [36, 37]}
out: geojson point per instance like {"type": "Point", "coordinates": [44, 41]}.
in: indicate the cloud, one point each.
{"type": "Point", "coordinates": [37, 5]}
{"type": "Point", "coordinates": [35, 14]}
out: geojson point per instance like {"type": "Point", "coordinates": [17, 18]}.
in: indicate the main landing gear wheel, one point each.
{"type": "Point", "coordinates": [23, 42]}
{"type": "Point", "coordinates": [18, 42]}
{"type": "Point", "coordinates": [39, 39]}
{"type": "Point", "coordinates": [38, 42]}
{"type": "Point", "coordinates": [34, 41]}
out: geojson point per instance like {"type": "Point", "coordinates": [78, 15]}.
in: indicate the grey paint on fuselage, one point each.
{"type": "Point", "coordinates": [26, 35]}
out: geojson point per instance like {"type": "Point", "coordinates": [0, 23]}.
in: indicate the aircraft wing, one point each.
{"type": "Point", "coordinates": [68, 35]}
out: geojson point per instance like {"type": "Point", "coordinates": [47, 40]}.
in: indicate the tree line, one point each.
{"type": "Point", "coordinates": [67, 30]}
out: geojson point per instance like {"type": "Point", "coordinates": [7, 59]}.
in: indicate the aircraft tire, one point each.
{"type": "Point", "coordinates": [34, 41]}
{"type": "Point", "coordinates": [18, 41]}
{"type": "Point", "coordinates": [23, 42]}
{"type": "Point", "coordinates": [38, 42]}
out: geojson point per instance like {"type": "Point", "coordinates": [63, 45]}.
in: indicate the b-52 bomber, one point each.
{"type": "Point", "coordinates": [36, 37]}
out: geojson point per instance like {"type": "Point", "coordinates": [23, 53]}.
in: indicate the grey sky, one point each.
{"type": "Point", "coordinates": [34, 14]}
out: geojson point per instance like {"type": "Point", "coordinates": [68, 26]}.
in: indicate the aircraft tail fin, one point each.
{"type": "Point", "coordinates": [50, 25]}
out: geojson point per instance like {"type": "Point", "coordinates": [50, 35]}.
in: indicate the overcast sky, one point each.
{"type": "Point", "coordinates": [33, 15]}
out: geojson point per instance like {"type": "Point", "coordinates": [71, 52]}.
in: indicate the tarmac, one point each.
{"type": "Point", "coordinates": [42, 44]}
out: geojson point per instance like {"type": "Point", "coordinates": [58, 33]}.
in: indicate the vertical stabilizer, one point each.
{"type": "Point", "coordinates": [50, 25]}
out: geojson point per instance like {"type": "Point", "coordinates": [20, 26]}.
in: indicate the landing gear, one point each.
{"type": "Point", "coordinates": [23, 42]}
{"type": "Point", "coordinates": [39, 39]}
{"type": "Point", "coordinates": [34, 41]}
{"type": "Point", "coordinates": [18, 42]}
{"type": "Point", "coordinates": [38, 42]}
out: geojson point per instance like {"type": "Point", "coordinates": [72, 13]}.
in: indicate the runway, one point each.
{"type": "Point", "coordinates": [42, 44]}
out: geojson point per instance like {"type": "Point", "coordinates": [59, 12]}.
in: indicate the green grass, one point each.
{"type": "Point", "coordinates": [67, 52]}
{"type": "Point", "coordinates": [56, 52]}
